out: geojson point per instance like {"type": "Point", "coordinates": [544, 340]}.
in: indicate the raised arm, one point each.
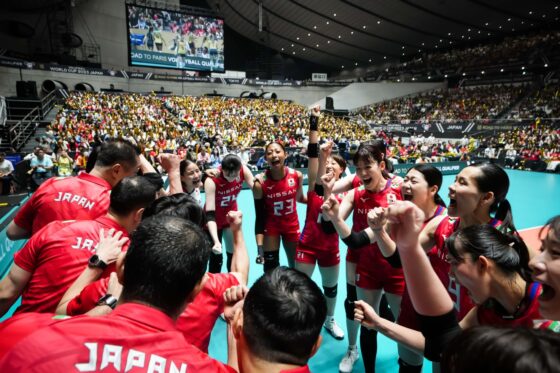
{"type": "Point", "coordinates": [312, 148]}
{"type": "Point", "coordinates": [260, 214]}
{"type": "Point", "coordinates": [240, 258]}
{"type": "Point", "coordinates": [210, 207]}
{"type": "Point", "coordinates": [171, 163]}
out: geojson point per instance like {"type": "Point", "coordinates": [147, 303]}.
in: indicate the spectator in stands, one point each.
{"type": "Point", "coordinates": [41, 168]}
{"type": "Point", "coordinates": [6, 170]}
{"type": "Point", "coordinates": [64, 164]}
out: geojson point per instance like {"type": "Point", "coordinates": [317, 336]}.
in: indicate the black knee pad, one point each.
{"type": "Point", "coordinates": [228, 262]}
{"type": "Point", "coordinates": [330, 291]}
{"type": "Point", "coordinates": [385, 310]}
{"type": "Point", "coordinates": [215, 263]}
{"type": "Point", "coordinates": [404, 367]}
{"type": "Point", "coordinates": [271, 260]}
{"type": "Point", "coordinates": [349, 308]}
{"type": "Point", "coordinates": [351, 293]}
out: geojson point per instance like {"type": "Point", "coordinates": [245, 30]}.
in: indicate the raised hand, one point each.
{"type": "Point", "coordinates": [234, 219]}
{"type": "Point", "coordinates": [366, 315]}
{"type": "Point", "coordinates": [110, 245]}
{"type": "Point", "coordinates": [330, 207]}
{"type": "Point", "coordinates": [377, 218]}
{"type": "Point", "coordinates": [233, 300]}
{"type": "Point", "coordinates": [169, 162]}
{"type": "Point", "coordinates": [406, 224]}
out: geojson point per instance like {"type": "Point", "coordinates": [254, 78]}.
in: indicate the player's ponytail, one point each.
{"type": "Point", "coordinates": [503, 213]}
{"type": "Point", "coordinates": [493, 178]}
{"type": "Point", "coordinates": [507, 251]}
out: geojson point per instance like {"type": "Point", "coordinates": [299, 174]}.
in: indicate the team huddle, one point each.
{"type": "Point", "coordinates": [121, 274]}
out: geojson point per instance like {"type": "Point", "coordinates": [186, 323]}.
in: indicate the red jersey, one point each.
{"type": "Point", "coordinates": [196, 322]}
{"type": "Point", "coordinates": [55, 257]}
{"type": "Point", "coordinates": [134, 337]}
{"type": "Point", "coordinates": [373, 271]}
{"type": "Point", "coordinates": [198, 319]}
{"type": "Point", "coordinates": [461, 300]}
{"type": "Point", "coordinates": [364, 201]}
{"type": "Point", "coordinates": [21, 325]}
{"type": "Point", "coordinates": [74, 198]}
{"type": "Point", "coordinates": [487, 316]}
{"type": "Point", "coordinates": [280, 202]}
{"type": "Point", "coordinates": [313, 235]}
{"type": "Point", "coordinates": [226, 196]}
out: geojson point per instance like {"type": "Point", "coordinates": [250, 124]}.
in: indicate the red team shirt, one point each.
{"type": "Point", "coordinates": [226, 196]}
{"type": "Point", "coordinates": [133, 338]}
{"type": "Point", "coordinates": [461, 300]}
{"type": "Point", "coordinates": [196, 322]}
{"type": "Point", "coordinates": [75, 198]}
{"type": "Point", "coordinates": [56, 256]}
{"type": "Point", "coordinates": [487, 316]}
{"type": "Point", "coordinates": [373, 271]}
{"type": "Point", "coordinates": [280, 204]}
{"type": "Point", "coordinates": [198, 319]}
{"type": "Point", "coordinates": [21, 325]}
{"type": "Point", "coordinates": [314, 244]}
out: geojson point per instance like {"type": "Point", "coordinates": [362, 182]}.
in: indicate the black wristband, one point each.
{"type": "Point", "coordinates": [438, 331]}
{"type": "Point", "coordinates": [356, 240]}
{"type": "Point", "coordinates": [313, 123]}
{"type": "Point", "coordinates": [211, 216]}
{"type": "Point", "coordinates": [313, 150]}
{"type": "Point", "coordinates": [394, 260]}
{"type": "Point", "coordinates": [319, 190]}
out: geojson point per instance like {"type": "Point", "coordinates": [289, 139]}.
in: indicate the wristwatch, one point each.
{"type": "Point", "coordinates": [96, 262]}
{"type": "Point", "coordinates": [107, 300]}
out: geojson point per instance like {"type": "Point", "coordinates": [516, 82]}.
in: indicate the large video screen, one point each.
{"type": "Point", "coordinates": [175, 40]}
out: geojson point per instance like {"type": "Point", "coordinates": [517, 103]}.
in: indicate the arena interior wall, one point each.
{"type": "Point", "coordinates": [357, 95]}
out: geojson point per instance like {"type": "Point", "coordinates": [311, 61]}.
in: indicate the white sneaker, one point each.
{"type": "Point", "coordinates": [334, 329]}
{"type": "Point", "coordinates": [348, 361]}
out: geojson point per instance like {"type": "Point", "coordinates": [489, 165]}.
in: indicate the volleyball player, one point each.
{"type": "Point", "coordinates": [221, 198]}
{"type": "Point", "coordinates": [493, 266]}
{"type": "Point", "coordinates": [546, 270]}
{"type": "Point", "coordinates": [276, 192]}
{"type": "Point", "coordinates": [373, 273]}
{"type": "Point", "coordinates": [315, 246]}
{"type": "Point", "coordinates": [421, 186]}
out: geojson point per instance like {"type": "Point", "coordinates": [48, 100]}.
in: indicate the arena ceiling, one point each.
{"type": "Point", "coordinates": [359, 33]}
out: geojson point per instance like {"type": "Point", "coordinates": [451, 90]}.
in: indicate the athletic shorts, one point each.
{"type": "Point", "coordinates": [407, 315]}
{"type": "Point", "coordinates": [353, 255]}
{"type": "Point", "coordinates": [309, 255]}
{"type": "Point", "coordinates": [292, 236]}
{"type": "Point", "coordinates": [374, 272]}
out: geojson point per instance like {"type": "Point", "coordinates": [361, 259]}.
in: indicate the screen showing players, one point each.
{"type": "Point", "coordinates": [171, 39]}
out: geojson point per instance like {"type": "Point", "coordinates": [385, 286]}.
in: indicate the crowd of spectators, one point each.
{"type": "Point", "coordinates": [200, 129]}
{"type": "Point", "coordinates": [543, 103]}
{"type": "Point", "coordinates": [510, 50]}
{"type": "Point", "coordinates": [445, 105]}
{"type": "Point", "coordinates": [531, 147]}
